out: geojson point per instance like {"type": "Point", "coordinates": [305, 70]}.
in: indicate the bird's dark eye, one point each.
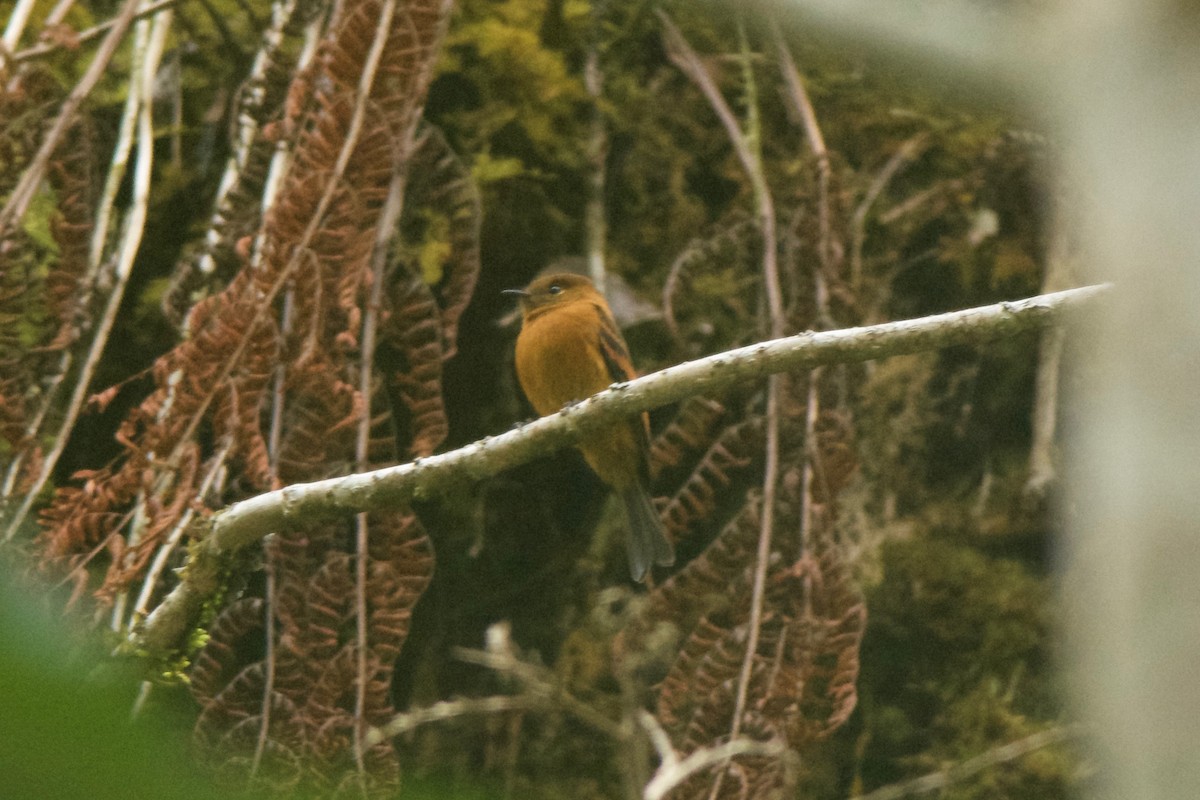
{"type": "Point", "coordinates": [554, 288]}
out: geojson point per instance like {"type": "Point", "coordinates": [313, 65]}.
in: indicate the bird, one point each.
{"type": "Point", "coordinates": [570, 348]}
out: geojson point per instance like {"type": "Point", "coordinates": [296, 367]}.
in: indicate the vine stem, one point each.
{"type": "Point", "coordinates": [765, 206]}
{"type": "Point", "coordinates": [280, 159]}
{"type": "Point", "coordinates": [389, 218]}
{"type": "Point", "coordinates": [802, 105]}
{"type": "Point", "coordinates": [747, 146]}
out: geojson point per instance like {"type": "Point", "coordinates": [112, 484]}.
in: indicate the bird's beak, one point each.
{"type": "Point", "coordinates": [517, 292]}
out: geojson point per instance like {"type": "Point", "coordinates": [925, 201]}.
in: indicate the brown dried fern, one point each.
{"type": "Point", "coordinates": [689, 431]}
{"type": "Point", "coordinates": [415, 331]}
{"type": "Point", "coordinates": [43, 295]}
{"type": "Point", "coordinates": [733, 450]}
{"type": "Point", "coordinates": [342, 167]}
{"type": "Point", "coordinates": [309, 712]}
{"type": "Point", "coordinates": [804, 670]}
{"type": "Point", "coordinates": [444, 189]}
{"type": "Point", "coordinates": [237, 213]}
{"type": "Point", "coordinates": [347, 149]}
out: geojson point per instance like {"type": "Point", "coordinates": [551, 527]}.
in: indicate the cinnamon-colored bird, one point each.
{"type": "Point", "coordinates": [569, 349]}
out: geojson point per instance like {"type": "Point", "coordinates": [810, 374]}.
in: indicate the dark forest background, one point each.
{"type": "Point", "coordinates": [909, 598]}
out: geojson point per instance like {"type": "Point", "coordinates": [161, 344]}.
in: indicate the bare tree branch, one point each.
{"type": "Point", "coordinates": [667, 779]}
{"type": "Point", "coordinates": [801, 104]}
{"type": "Point", "coordinates": [540, 682]}
{"type": "Point", "coordinates": [449, 709]}
{"type": "Point", "coordinates": [250, 520]}
{"type": "Point", "coordinates": [858, 224]}
{"type": "Point", "coordinates": [94, 32]}
{"type": "Point", "coordinates": [1042, 472]}
{"type": "Point", "coordinates": [542, 692]}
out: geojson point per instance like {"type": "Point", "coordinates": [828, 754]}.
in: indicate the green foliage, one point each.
{"type": "Point", "coordinates": [435, 248]}
{"type": "Point", "coordinates": [67, 730]}
{"type": "Point", "coordinates": [514, 97]}
{"type": "Point", "coordinates": [956, 660]}
{"type": "Point", "coordinates": [955, 616]}
{"type": "Point", "coordinates": [36, 224]}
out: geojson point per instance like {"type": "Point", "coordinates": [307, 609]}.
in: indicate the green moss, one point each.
{"type": "Point", "coordinates": [956, 662]}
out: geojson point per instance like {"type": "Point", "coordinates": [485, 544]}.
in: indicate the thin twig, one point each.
{"type": "Point", "coordinates": [539, 682]}
{"type": "Point", "coordinates": [216, 465]}
{"type": "Point", "coordinates": [94, 32]}
{"type": "Point", "coordinates": [683, 56]}
{"type": "Point", "coordinates": [389, 215]}
{"type": "Point", "coordinates": [1042, 473]}
{"type": "Point", "coordinates": [450, 709]}
{"type": "Point", "coordinates": [280, 159]}
{"type": "Point", "coordinates": [14, 28]}
{"type": "Point", "coordinates": [811, 410]}
{"type": "Point", "coordinates": [858, 222]}
{"type": "Point", "coordinates": [990, 758]}
{"type": "Point", "coordinates": [765, 207]}
{"type": "Point", "coordinates": [746, 144]}
{"type": "Point", "coordinates": [151, 37]}
{"type": "Point", "coordinates": [595, 219]}
{"type": "Point", "coordinates": [245, 522]}
{"type": "Point", "coordinates": [274, 443]}
{"type": "Point", "coordinates": [58, 13]}
{"type": "Point", "coordinates": [803, 107]}
{"type": "Point", "coordinates": [389, 218]}
{"type": "Point", "coordinates": [268, 690]}
{"type": "Point", "coordinates": [667, 779]}
{"type": "Point", "coordinates": [633, 755]}
{"type": "Point", "coordinates": [114, 178]}
{"type": "Point", "coordinates": [247, 130]}
{"type": "Point", "coordinates": [46, 403]}
{"type": "Point", "coordinates": [658, 737]}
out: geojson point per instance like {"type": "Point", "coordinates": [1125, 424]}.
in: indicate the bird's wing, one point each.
{"type": "Point", "coordinates": [620, 368]}
{"type": "Point", "coordinates": [613, 349]}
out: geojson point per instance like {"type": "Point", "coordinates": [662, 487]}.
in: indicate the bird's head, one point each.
{"type": "Point", "coordinates": [552, 290]}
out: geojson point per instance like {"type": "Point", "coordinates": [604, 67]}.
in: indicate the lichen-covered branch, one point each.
{"type": "Point", "coordinates": [250, 520]}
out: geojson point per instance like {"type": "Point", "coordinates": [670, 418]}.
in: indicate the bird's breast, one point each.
{"type": "Point", "coordinates": [558, 359]}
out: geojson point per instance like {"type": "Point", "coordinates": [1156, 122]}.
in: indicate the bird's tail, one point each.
{"type": "Point", "coordinates": [648, 542]}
